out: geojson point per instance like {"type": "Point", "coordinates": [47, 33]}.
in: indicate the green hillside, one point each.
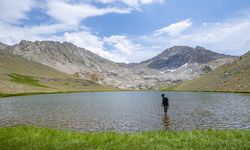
{"type": "Point", "coordinates": [233, 77]}
{"type": "Point", "coordinates": [19, 75]}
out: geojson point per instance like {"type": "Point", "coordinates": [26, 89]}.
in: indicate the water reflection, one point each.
{"type": "Point", "coordinates": [166, 121]}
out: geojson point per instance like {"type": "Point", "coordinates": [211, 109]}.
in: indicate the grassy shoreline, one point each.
{"type": "Point", "coordinates": [204, 91]}
{"type": "Point", "coordinates": [65, 92]}
{"type": "Point", "coordinates": [40, 93]}
{"type": "Point", "coordinates": [62, 92]}
{"type": "Point", "coordinates": [26, 94]}
{"type": "Point", "coordinates": [26, 137]}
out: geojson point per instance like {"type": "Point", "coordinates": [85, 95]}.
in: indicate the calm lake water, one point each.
{"type": "Point", "coordinates": [128, 111]}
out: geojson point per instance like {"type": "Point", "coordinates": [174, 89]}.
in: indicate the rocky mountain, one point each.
{"type": "Point", "coordinates": [80, 62]}
{"type": "Point", "coordinates": [19, 75]}
{"type": "Point", "coordinates": [172, 66]}
{"type": "Point", "coordinates": [179, 63]}
{"type": "Point", "coordinates": [233, 77]}
{"type": "Point", "coordinates": [3, 46]}
{"type": "Point", "coordinates": [178, 56]}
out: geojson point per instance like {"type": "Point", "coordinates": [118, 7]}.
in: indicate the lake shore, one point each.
{"type": "Point", "coordinates": [117, 90]}
{"type": "Point", "coordinates": [26, 137]}
{"type": "Point", "coordinates": [204, 91]}
{"type": "Point", "coordinates": [39, 93]}
{"type": "Point", "coordinates": [56, 92]}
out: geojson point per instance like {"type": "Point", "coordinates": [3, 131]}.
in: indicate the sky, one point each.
{"type": "Point", "coordinates": [129, 30]}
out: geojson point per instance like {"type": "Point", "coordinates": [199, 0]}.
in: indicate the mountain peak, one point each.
{"type": "Point", "coordinates": [200, 48]}
{"type": "Point", "coordinates": [25, 42]}
{"type": "Point", "coordinates": [70, 59]}
{"type": "Point", "coordinates": [177, 56]}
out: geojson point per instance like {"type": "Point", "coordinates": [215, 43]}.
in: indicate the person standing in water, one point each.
{"type": "Point", "coordinates": [165, 103]}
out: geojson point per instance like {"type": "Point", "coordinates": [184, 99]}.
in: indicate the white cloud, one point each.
{"type": "Point", "coordinates": [92, 43]}
{"type": "Point", "coordinates": [122, 46]}
{"type": "Point", "coordinates": [78, 36]}
{"type": "Point", "coordinates": [175, 29]}
{"type": "Point", "coordinates": [121, 43]}
{"type": "Point", "coordinates": [72, 14]}
{"type": "Point", "coordinates": [12, 10]}
{"type": "Point", "coordinates": [230, 37]}
{"type": "Point", "coordinates": [84, 39]}
{"type": "Point", "coordinates": [133, 3]}
{"type": "Point", "coordinates": [13, 34]}
{"type": "Point", "coordinates": [69, 14]}
{"type": "Point", "coordinates": [140, 2]}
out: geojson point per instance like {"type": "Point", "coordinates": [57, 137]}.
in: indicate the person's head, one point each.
{"type": "Point", "coordinates": [162, 95]}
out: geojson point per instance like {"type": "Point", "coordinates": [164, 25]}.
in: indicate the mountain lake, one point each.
{"type": "Point", "coordinates": [128, 111]}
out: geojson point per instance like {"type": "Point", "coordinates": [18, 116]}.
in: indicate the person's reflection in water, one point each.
{"type": "Point", "coordinates": [166, 121]}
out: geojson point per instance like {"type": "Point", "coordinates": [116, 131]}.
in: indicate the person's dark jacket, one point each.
{"type": "Point", "coordinates": [165, 101]}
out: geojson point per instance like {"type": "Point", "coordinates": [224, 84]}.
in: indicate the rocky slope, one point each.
{"type": "Point", "coordinates": [177, 56]}
{"type": "Point", "coordinates": [82, 63]}
{"type": "Point", "coordinates": [3, 46]}
{"type": "Point", "coordinates": [19, 75]}
{"type": "Point", "coordinates": [172, 66]}
{"type": "Point", "coordinates": [234, 77]}
{"type": "Point", "coordinates": [178, 64]}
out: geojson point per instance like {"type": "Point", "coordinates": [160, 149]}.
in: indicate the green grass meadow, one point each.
{"type": "Point", "coordinates": [32, 138]}
{"type": "Point", "coordinates": [29, 80]}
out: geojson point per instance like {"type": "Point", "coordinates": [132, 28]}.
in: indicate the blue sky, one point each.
{"type": "Point", "coordinates": [129, 30]}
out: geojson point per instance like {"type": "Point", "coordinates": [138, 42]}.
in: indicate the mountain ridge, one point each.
{"type": "Point", "coordinates": [68, 58]}
{"type": "Point", "coordinates": [187, 55]}
{"type": "Point", "coordinates": [181, 63]}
